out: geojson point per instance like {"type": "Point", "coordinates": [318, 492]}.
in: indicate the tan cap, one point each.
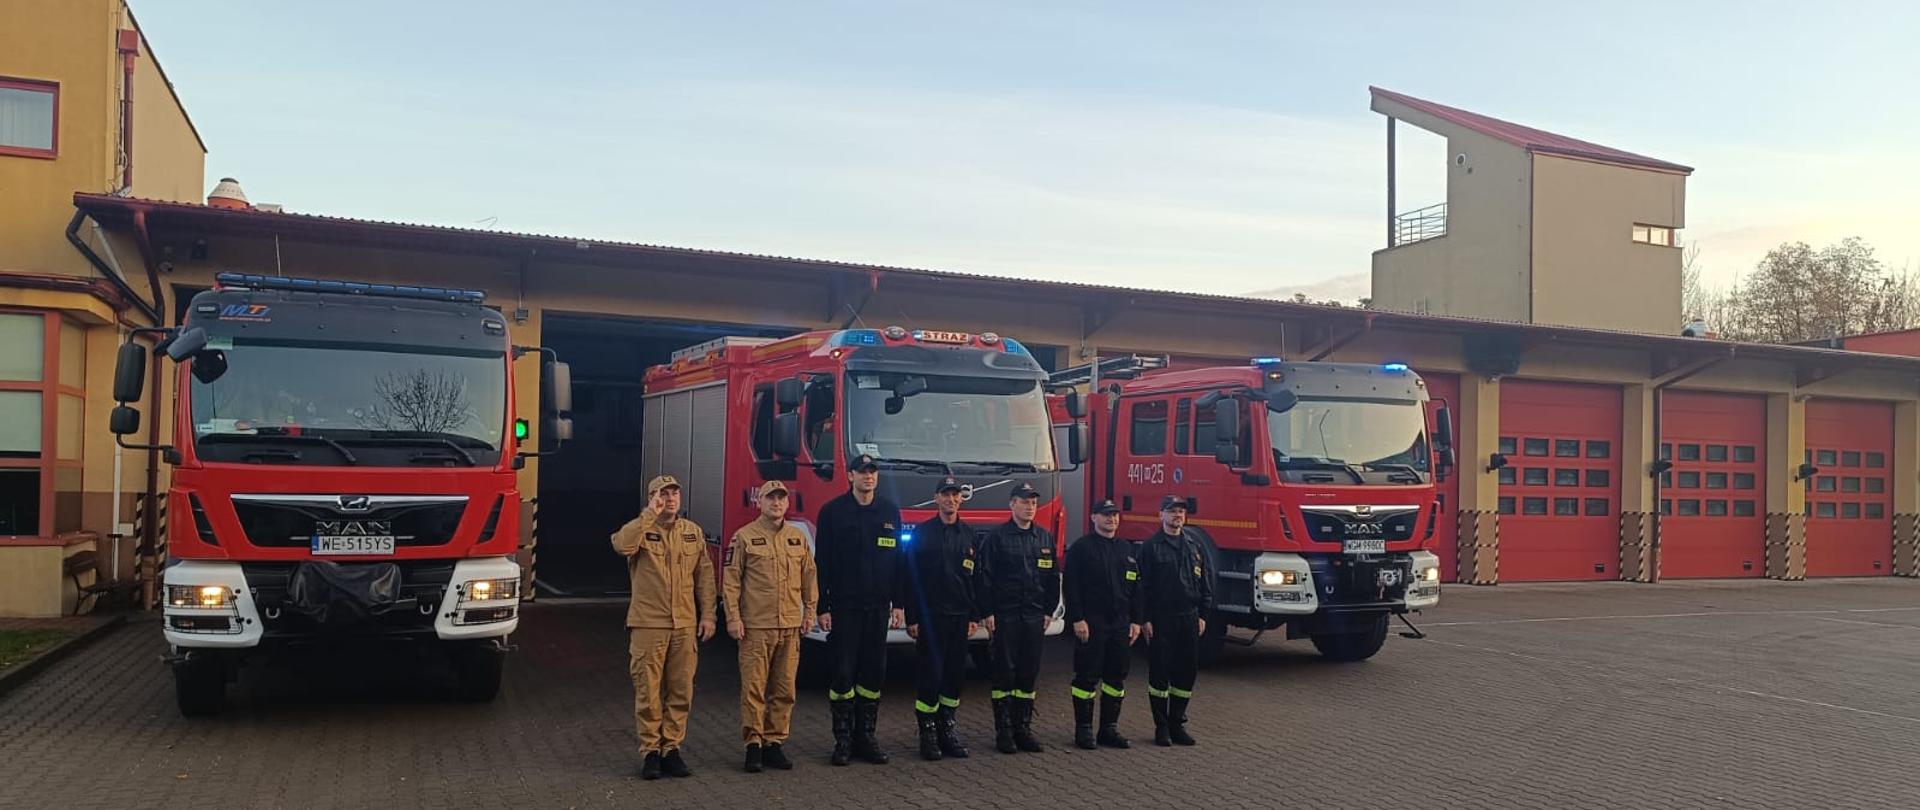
{"type": "Point", "coordinates": [661, 482]}
{"type": "Point", "coordinates": [772, 487]}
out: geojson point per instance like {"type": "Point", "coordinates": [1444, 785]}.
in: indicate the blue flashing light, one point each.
{"type": "Point", "coordinates": [251, 281]}
{"type": "Point", "coordinates": [1267, 361]}
{"type": "Point", "coordinates": [856, 337]}
{"type": "Point", "coordinates": [906, 536]}
{"type": "Point", "coordinates": [1394, 368]}
{"type": "Point", "coordinates": [1014, 347]}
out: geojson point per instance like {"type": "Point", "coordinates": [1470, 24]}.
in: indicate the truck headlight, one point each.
{"type": "Point", "coordinates": [1278, 578]}
{"type": "Point", "coordinates": [1430, 575]}
{"type": "Point", "coordinates": [209, 597]}
{"type": "Point", "coordinates": [488, 590]}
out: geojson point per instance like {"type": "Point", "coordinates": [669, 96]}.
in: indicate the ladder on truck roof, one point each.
{"type": "Point", "coordinates": [1124, 367]}
{"type": "Point", "coordinates": [717, 344]}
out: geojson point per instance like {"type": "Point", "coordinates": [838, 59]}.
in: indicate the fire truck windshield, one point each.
{"type": "Point", "coordinates": [954, 420]}
{"type": "Point", "coordinates": [1359, 436]}
{"type": "Point", "coordinates": [317, 404]}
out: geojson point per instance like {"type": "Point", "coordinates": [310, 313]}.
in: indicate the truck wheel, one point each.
{"type": "Point", "coordinates": [1358, 646]}
{"type": "Point", "coordinates": [200, 685]}
{"type": "Point", "coordinates": [812, 672]}
{"type": "Point", "coordinates": [476, 672]}
{"type": "Point", "coordinates": [1213, 643]}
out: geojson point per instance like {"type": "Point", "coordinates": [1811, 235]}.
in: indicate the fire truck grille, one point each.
{"type": "Point", "coordinates": [1333, 526]}
{"type": "Point", "coordinates": [289, 525]}
{"type": "Point", "coordinates": [1345, 581]}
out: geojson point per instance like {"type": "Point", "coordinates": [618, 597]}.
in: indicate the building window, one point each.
{"type": "Point", "coordinates": [1655, 235]}
{"type": "Point", "coordinates": [29, 118]}
{"type": "Point", "coordinates": [42, 405]}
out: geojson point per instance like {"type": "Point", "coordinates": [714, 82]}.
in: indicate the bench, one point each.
{"type": "Point", "coordinates": [85, 562]}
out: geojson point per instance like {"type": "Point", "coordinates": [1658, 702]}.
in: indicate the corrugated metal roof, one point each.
{"type": "Point", "coordinates": [1533, 140]}
{"type": "Point", "coordinates": [406, 236]}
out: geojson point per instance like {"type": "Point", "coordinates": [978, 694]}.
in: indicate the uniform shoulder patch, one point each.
{"type": "Point", "coordinates": [792, 540]}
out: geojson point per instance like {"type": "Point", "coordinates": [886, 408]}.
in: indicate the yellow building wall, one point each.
{"type": "Point", "coordinates": [1587, 270]}
{"type": "Point", "coordinates": [1479, 269]}
{"type": "Point", "coordinates": [169, 162]}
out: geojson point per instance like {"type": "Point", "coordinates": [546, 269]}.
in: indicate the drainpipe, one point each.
{"type": "Point", "coordinates": [129, 49]}
{"type": "Point", "coordinates": [1659, 389]}
{"type": "Point", "coordinates": [106, 270]}
{"type": "Point", "coordinates": [149, 531]}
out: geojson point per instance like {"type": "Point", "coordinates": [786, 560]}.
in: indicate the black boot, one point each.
{"type": "Point", "coordinates": [950, 744]}
{"type": "Point", "coordinates": [673, 765]}
{"type": "Point", "coordinates": [776, 758]}
{"type": "Point", "coordinates": [1177, 721]}
{"type": "Point", "coordinates": [1083, 723]}
{"type": "Point", "coordinates": [650, 768]}
{"type": "Point", "coordinates": [1003, 726]}
{"type": "Point", "coordinates": [1023, 726]}
{"type": "Point", "coordinates": [1110, 723]}
{"type": "Point", "coordinates": [842, 731]}
{"type": "Point", "coordinates": [866, 716]}
{"type": "Point", "coordinates": [1159, 707]}
{"type": "Point", "coordinates": [929, 735]}
{"type": "Point", "coordinates": [753, 763]}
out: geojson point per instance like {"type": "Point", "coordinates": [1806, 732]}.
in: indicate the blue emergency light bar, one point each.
{"type": "Point", "coordinates": [855, 337]}
{"type": "Point", "coordinates": [252, 281]}
{"type": "Point", "coordinates": [1394, 368]}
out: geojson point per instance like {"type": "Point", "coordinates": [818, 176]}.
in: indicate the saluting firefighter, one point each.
{"type": "Point", "coordinates": [936, 586]}
{"type": "Point", "coordinates": [1173, 603]}
{"type": "Point", "coordinates": [770, 594]}
{"type": "Point", "coordinates": [1018, 588]}
{"type": "Point", "coordinates": [857, 542]}
{"type": "Point", "coordinates": [1100, 579]}
{"type": "Point", "coordinates": [671, 611]}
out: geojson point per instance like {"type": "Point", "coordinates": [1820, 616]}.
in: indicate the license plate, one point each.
{"type": "Point", "coordinates": [349, 544]}
{"type": "Point", "coordinates": [1375, 545]}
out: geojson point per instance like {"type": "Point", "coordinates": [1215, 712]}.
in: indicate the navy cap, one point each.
{"type": "Point", "coordinates": [866, 462]}
{"type": "Point", "coordinates": [1172, 501]}
{"type": "Point", "coordinates": [949, 484]}
{"type": "Point", "coordinates": [1106, 507]}
{"type": "Point", "coordinates": [1024, 491]}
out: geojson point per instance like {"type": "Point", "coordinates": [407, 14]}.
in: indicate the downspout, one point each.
{"type": "Point", "coordinates": [1659, 389]}
{"type": "Point", "coordinates": [106, 270]}
{"type": "Point", "coordinates": [149, 531]}
{"type": "Point", "coordinates": [127, 55]}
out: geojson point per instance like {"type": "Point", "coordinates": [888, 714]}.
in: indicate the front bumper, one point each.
{"type": "Point", "coordinates": [259, 611]}
{"type": "Point", "coordinates": [1305, 586]}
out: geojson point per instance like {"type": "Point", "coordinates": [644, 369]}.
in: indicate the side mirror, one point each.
{"type": "Point", "coordinates": [130, 372]}
{"type": "Point", "coordinates": [1226, 431]}
{"type": "Point", "coordinates": [786, 433]}
{"type": "Point", "coordinates": [559, 431]}
{"type": "Point", "coordinates": [1076, 406]}
{"type": "Point", "coordinates": [895, 405]}
{"type": "Point", "coordinates": [556, 388]}
{"type": "Point", "coordinates": [787, 394]}
{"type": "Point", "coordinates": [1077, 443]}
{"type": "Point", "coordinates": [124, 421]}
{"type": "Point", "coordinates": [186, 344]}
{"type": "Point", "coordinates": [1443, 430]}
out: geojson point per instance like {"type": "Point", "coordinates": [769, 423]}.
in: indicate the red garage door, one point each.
{"type": "Point", "coordinates": [1850, 502]}
{"type": "Point", "coordinates": [1445, 390]}
{"type": "Point", "coordinates": [1714, 522]}
{"type": "Point", "coordinates": [1560, 491]}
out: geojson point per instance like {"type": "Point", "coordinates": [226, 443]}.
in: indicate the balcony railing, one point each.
{"type": "Point", "coordinates": [1420, 225]}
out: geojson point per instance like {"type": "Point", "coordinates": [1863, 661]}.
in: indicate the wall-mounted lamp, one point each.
{"type": "Point", "coordinates": [1495, 461]}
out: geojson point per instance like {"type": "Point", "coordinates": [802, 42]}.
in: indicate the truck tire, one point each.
{"type": "Point", "coordinates": [1358, 646]}
{"type": "Point", "coordinates": [476, 672]}
{"type": "Point", "coordinates": [200, 685]}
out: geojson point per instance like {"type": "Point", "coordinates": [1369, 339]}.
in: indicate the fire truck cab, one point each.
{"type": "Point", "coordinates": [1312, 484]}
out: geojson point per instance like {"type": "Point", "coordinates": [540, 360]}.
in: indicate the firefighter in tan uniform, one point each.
{"type": "Point", "coordinates": [770, 594]}
{"type": "Point", "coordinates": [670, 613]}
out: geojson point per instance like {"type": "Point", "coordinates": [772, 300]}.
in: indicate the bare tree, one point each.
{"type": "Point", "coordinates": [422, 400]}
{"type": "Point", "coordinates": [1798, 293]}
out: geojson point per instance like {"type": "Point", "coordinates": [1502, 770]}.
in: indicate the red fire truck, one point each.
{"type": "Point", "coordinates": [1313, 485]}
{"type": "Point", "coordinates": [727, 414]}
{"type": "Point", "coordinates": [344, 460]}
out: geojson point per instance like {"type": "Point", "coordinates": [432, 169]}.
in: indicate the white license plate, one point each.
{"type": "Point", "coordinates": [352, 544]}
{"type": "Point", "coordinates": [1377, 545]}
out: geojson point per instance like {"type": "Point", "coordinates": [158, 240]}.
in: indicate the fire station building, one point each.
{"type": "Point", "coordinates": [1540, 300]}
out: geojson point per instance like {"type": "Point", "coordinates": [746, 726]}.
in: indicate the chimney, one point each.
{"type": "Point", "coordinates": [228, 195]}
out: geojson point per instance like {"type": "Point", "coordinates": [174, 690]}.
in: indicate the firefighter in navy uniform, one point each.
{"type": "Point", "coordinates": [1174, 599]}
{"type": "Point", "coordinates": [1018, 587]}
{"type": "Point", "coordinates": [1100, 579]}
{"type": "Point", "coordinates": [856, 543]}
{"type": "Point", "coordinates": [936, 587]}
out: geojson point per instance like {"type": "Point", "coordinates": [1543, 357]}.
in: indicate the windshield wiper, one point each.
{"type": "Point", "coordinates": [1313, 463]}
{"type": "Point", "coordinates": [414, 440]}
{"type": "Point", "coordinates": [919, 463]}
{"type": "Point", "coordinates": [294, 438]}
{"type": "Point", "coordinates": [1407, 469]}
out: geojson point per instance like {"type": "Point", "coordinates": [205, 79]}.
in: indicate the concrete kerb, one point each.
{"type": "Point", "coordinates": [20, 674]}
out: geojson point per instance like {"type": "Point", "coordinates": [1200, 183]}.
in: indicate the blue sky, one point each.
{"type": "Point", "coordinates": [1218, 147]}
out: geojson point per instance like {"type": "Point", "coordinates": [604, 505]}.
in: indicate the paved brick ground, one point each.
{"type": "Point", "coordinates": [1672, 696]}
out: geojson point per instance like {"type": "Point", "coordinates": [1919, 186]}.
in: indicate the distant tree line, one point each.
{"type": "Point", "coordinates": [1800, 293]}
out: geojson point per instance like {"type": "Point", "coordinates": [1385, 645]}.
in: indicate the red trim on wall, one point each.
{"type": "Point", "coordinates": [36, 85]}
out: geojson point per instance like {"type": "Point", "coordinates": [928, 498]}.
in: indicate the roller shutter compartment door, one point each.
{"type": "Point", "coordinates": [1560, 491]}
{"type": "Point", "coordinates": [1713, 501]}
{"type": "Point", "coordinates": [1445, 389]}
{"type": "Point", "coordinates": [1850, 501]}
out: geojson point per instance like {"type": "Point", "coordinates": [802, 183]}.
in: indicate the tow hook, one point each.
{"type": "Point", "coordinates": [1416, 634]}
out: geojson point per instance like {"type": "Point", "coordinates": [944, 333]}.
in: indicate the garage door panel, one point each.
{"type": "Point", "coordinates": [1713, 500]}
{"type": "Point", "coordinates": [1560, 491]}
{"type": "Point", "coordinates": [1850, 500]}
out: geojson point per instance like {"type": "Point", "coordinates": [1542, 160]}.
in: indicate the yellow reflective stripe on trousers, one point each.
{"type": "Point", "coordinates": [924, 708]}
{"type": "Point", "coordinates": [1080, 694]}
{"type": "Point", "coordinates": [1179, 693]}
{"type": "Point", "coordinates": [864, 692]}
{"type": "Point", "coordinates": [950, 702]}
{"type": "Point", "coordinates": [832, 695]}
{"type": "Point", "coordinates": [997, 695]}
{"type": "Point", "coordinates": [1022, 695]}
{"type": "Point", "coordinates": [1159, 693]}
{"type": "Point", "coordinates": [1113, 691]}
